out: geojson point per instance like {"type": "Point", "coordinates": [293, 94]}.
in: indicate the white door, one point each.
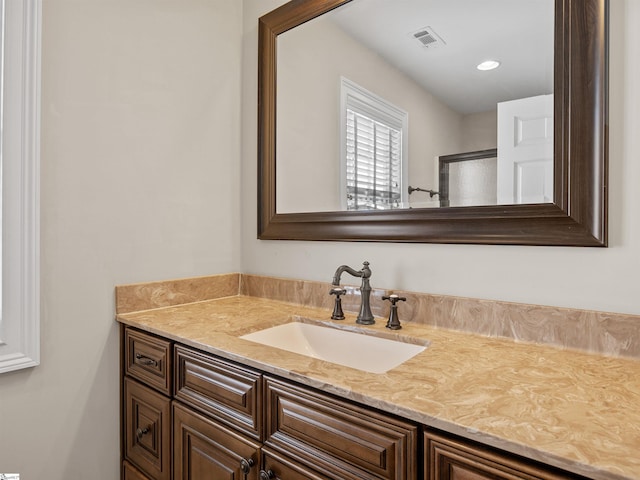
{"type": "Point", "coordinates": [525, 150]}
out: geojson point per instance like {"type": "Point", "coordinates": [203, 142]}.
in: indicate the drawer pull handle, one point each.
{"type": "Point", "coordinates": [141, 432]}
{"type": "Point", "coordinates": [141, 359]}
{"type": "Point", "coordinates": [266, 474]}
{"type": "Point", "coordinates": [246, 464]}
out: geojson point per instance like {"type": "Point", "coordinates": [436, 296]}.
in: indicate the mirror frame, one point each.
{"type": "Point", "coordinates": [578, 215]}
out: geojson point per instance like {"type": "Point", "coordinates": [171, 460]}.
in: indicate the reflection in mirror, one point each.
{"type": "Point", "coordinates": [468, 179]}
{"type": "Point", "coordinates": [373, 94]}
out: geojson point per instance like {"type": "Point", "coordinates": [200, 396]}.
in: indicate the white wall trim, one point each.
{"type": "Point", "coordinates": [20, 160]}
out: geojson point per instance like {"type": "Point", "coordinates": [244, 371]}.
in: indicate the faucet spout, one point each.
{"type": "Point", "coordinates": [365, 317]}
{"type": "Point", "coordinates": [345, 268]}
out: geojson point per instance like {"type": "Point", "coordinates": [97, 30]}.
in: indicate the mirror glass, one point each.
{"type": "Point", "coordinates": [376, 98]}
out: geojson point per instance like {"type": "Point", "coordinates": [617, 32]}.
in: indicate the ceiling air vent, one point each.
{"type": "Point", "coordinates": [428, 38]}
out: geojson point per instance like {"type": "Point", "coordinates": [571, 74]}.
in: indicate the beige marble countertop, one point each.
{"type": "Point", "coordinates": [577, 411]}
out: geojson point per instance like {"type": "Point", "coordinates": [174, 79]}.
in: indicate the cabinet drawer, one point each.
{"type": "Point", "coordinates": [338, 438]}
{"type": "Point", "coordinates": [448, 458]}
{"type": "Point", "coordinates": [205, 449]}
{"type": "Point", "coordinates": [147, 430]}
{"type": "Point", "coordinates": [228, 392]}
{"type": "Point", "coordinates": [148, 359]}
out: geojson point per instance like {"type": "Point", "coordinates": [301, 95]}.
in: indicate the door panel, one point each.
{"type": "Point", "coordinates": [525, 150]}
{"type": "Point", "coordinates": [205, 449]}
{"type": "Point", "coordinates": [147, 432]}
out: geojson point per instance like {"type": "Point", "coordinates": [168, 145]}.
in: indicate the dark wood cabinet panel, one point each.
{"type": "Point", "coordinates": [278, 467]}
{"type": "Point", "coordinates": [334, 436]}
{"type": "Point", "coordinates": [449, 458]}
{"type": "Point", "coordinates": [148, 359]}
{"type": "Point", "coordinates": [129, 472]}
{"type": "Point", "coordinates": [228, 392]}
{"type": "Point", "coordinates": [147, 432]}
{"type": "Point", "coordinates": [204, 449]}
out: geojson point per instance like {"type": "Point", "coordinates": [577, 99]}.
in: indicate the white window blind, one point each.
{"type": "Point", "coordinates": [373, 150]}
{"type": "Point", "coordinates": [373, 164]}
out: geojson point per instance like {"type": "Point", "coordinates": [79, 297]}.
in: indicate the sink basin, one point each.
{"type": "Point", "coordinates": [351, 349]}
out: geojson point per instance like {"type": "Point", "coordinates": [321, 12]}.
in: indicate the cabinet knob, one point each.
{"type": "Point", "coordinates": [266, 474]}
{"type": "Point", "coordinates": [246, 464]}
{"type": "Point", "coordinates": [141, 432]}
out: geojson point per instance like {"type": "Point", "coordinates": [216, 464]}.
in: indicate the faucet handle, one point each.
{"type": "Point", "coordinates": [338, 314]}
{"type": "Point", "coordinates": [393, 298]}
{"type": "Point", "coordinates": [394, 321]}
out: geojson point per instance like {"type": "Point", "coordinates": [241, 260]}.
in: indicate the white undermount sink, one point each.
{"type": "Point", "coordinates": [351, 349]}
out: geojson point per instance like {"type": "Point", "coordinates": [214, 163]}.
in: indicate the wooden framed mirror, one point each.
{"type": "Point", "coordinates": [577, 216]}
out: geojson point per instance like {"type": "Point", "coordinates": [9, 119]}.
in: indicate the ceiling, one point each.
{"type": "Point", "coordinates": [518, 33]}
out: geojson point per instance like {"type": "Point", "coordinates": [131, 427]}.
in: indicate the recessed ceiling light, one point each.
{"type": "Point", "coordinates": [488, 65]}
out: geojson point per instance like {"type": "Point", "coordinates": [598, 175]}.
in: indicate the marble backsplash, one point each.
{"type": "Point", "coordinates": [598, 332]}
{"type": "Point", "coordinates": [146, 296]}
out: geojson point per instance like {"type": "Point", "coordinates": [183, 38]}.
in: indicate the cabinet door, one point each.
{"type": "Point", "coordinates": [278, 467]}
{"type": "Point", "coordinates": [204, 449]}
{"type": "Point", "coordinates": [447, 458]}
{"type": "Point", "coordinates": [147, 430]}
{"type": "Point", "coordinates": [129, 472]}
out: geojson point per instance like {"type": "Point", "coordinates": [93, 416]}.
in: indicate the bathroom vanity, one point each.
{"type": "Point", "coordinates": [189, 414]}
{"type": "Point", "coordinates": [200, 402]}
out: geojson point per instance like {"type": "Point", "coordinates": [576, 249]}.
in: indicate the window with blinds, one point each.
{"type": "Point", "coordinates": [373, 153]}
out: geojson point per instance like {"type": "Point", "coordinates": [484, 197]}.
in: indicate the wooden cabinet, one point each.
{"type": "Point", "coordinates": [146, 407]}
{"type": "Point", "coordinates": [187, 414]}
{"type": "Point", "coordinates": [449, 458]}
{"type": "Point", "coordinates": [147, 430]}
{"type": "Point", "coordinates": [190, 415]}
{"type": "Point", "coordinates": [205, 449]}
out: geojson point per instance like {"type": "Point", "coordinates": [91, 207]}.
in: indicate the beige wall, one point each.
{"type": "Point", "coordinates": [480, 131]}
{"type": "Point", "coordinates": [140, 177]}
{"type": "Point", "coordinates": [603, 279]}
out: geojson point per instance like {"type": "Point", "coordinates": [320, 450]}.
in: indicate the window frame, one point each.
{"type": "Point", "coordinates": [379, 109]}
{"type": "Point", "coordinates": [20, 192]}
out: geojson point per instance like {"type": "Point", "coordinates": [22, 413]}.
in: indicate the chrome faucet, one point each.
{"type": "Point", "coordinates": [365, 317]}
